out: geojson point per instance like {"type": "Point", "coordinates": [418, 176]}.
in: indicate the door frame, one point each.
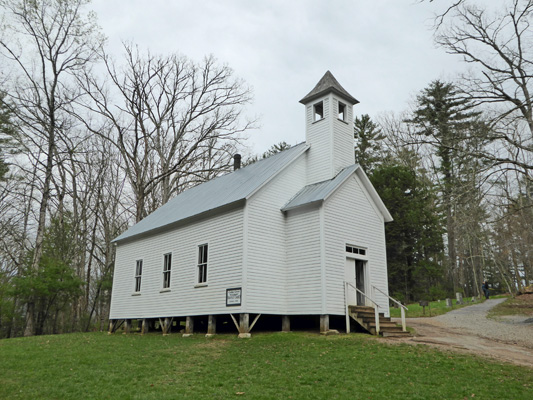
{"type": "Point", "coordinates": [359, 298]}
{"type": "Point", "coordinates": [366, 271]}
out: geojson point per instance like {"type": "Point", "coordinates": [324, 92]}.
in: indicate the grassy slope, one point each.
{"type": "Point", "coordinates": [519, 305]}
{"type": "Point", "coordinates": [268, 366]}
{"type": "Point", "coordinates": [435, 308]}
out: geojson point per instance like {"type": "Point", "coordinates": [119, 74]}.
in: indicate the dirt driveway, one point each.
{"type": "Point", "coordinates": [468, 330]}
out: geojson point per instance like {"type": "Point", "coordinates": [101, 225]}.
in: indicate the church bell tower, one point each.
{"type": "Point", "coordinates": [328, 129]}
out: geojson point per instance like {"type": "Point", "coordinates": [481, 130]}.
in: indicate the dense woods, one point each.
{"type": "Point", "coordinates": [455, 168]}
{"type": "Point", "coordinates": [84, 154]}
{"type": "Point", "coordinates": [91, 144]}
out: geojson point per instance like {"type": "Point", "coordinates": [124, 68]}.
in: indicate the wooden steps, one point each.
{"type": "Point", "coordinates": [366, 318]}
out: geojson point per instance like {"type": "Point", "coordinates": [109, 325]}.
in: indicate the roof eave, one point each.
{"type": "Point", "coordinates": [307, 204]}
{"type": "Point", "coordinates": [192, 218]}
{"type": "Point", "coordinates": [309, 98]}
{"type": "Point", "coordinates": [341, 182]}
{"type": "Point", "coordinates": [304, 149]}
{"type": "Point", "coordinates": [328, 194]}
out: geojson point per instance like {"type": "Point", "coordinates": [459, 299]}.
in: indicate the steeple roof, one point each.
{"type": "Point", "coordinates": [328, 83]}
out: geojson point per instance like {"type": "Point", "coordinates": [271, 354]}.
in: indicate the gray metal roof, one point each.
{"type": "Point", "coordinates": [328, 83]}
{"type": "Point", "coordinates": [318, 192]}
{"type": "Point", "coordinates": [219, 192]}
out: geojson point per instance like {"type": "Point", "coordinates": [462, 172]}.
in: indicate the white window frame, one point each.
{"type": "Point", "coordinates": [138, 275]}
{"type": "Point", "coordinates": [167, 269]}
{"type": "Point", "coordinates": [356, 252]}
{"type": "Point", "coordinates": [202, 264]}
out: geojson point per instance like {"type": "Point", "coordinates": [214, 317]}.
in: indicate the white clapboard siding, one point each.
{"type": "Point", "coordinates": [304, 272]}
{"type": "Point", "coordinates": [350, 217]}
{"type": "Point", "coordinates": [318, 135]}
{"type": "Point", "coordinates": [266, 241]}
{"type": "Point", "coordinates": [343, 140]}
{"type": "Point", "coordinates": [223, 234]}
{"type": "Point", "coordinates": [286, 263]}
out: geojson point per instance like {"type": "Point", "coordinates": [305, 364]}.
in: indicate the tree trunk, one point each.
{"type": "Point", "coordinates": [38, 250]}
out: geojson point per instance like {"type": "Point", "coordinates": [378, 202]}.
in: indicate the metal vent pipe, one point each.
{"type": "Point", "coordinates": [236, 162]}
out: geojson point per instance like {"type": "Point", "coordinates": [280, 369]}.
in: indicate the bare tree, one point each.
{"type": "Point", "coordinates": [172, 124]}
{"type": "Point", "coordinates": [45, 44]}
{"type": "Point", "coordinates": [512, 230]}
{"type": "Point", "coordinates": [499, 49]}
{"type": "Point", "coordinates": [109, 213]}
{"type": "Point", "coordinates": [173, 121]}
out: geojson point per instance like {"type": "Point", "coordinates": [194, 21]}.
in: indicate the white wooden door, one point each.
{"type": "Point", "coordinates": [349, 276]}
{"type": "Point", "coordinates": [360, 282]}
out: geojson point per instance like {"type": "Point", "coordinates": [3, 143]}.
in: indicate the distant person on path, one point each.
{"type": "Point", "coordinates": [485, 288]}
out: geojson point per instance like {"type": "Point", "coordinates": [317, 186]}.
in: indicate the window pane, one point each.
{"type": "Point", "coordinates": [202, 278]}
{"type": "Point", "coordinates": [202, 254]}
{"type": "Point", "coordinates": [166, 280]}
{"type": "Point", "coordinates": [168, 262]}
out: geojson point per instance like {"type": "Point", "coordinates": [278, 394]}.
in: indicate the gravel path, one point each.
{"type": "Point", "coordinates": [473, 319]}
{"type": "Point", "coordinates": [468, 330]}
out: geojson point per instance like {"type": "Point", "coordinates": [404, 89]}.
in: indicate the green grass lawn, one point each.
{"type": "Point", "coordinates": [268, 366]}
{"type": "Point", "coordinates": [439, 307]}
{"type": "Point", "coordinates": [435, 308]}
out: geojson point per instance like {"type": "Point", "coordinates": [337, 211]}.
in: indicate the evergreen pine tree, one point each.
{"type": "Point", "coordinates": [368, 136]}
{"type": "Point", "coordinates": [414, 238]}
{"type": "Point", "coordinates": [7, 131]}
{"type": "Point", "coordinates": [445, 117]}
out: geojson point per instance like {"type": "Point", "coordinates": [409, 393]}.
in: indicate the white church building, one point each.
{"type": "Point", "coordinates": [298, 234]}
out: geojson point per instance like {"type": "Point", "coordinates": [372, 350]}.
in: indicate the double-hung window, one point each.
{"type": "Point", "coordinates": [167, 264]}
{"type": "Point", "coordinates": [138, 275]}
{"type": "Point", "coordinates": [202, 263]}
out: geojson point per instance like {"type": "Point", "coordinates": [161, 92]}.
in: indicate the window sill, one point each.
{"type": "Point", "coordinates": [318, 120]}
{"type": "Point", "coordinates": [200, 285]}
{"type": "Point", "coordinates": [164, 290]}
{"type": "Point", "coordinates": [136, 294]}
{"type": "Point", "coordinates": [341, 120]}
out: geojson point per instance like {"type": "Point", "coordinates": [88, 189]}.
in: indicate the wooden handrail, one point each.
{"type": "Point", "coordinates": [391, 298]}
{"type": "Point", "coordinates": [368, 297]}
{"type": "Point", "coordinates": [402, 309]}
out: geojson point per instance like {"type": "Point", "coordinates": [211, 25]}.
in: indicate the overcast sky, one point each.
{"type": "Point", "coordinates": [380, 51]}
